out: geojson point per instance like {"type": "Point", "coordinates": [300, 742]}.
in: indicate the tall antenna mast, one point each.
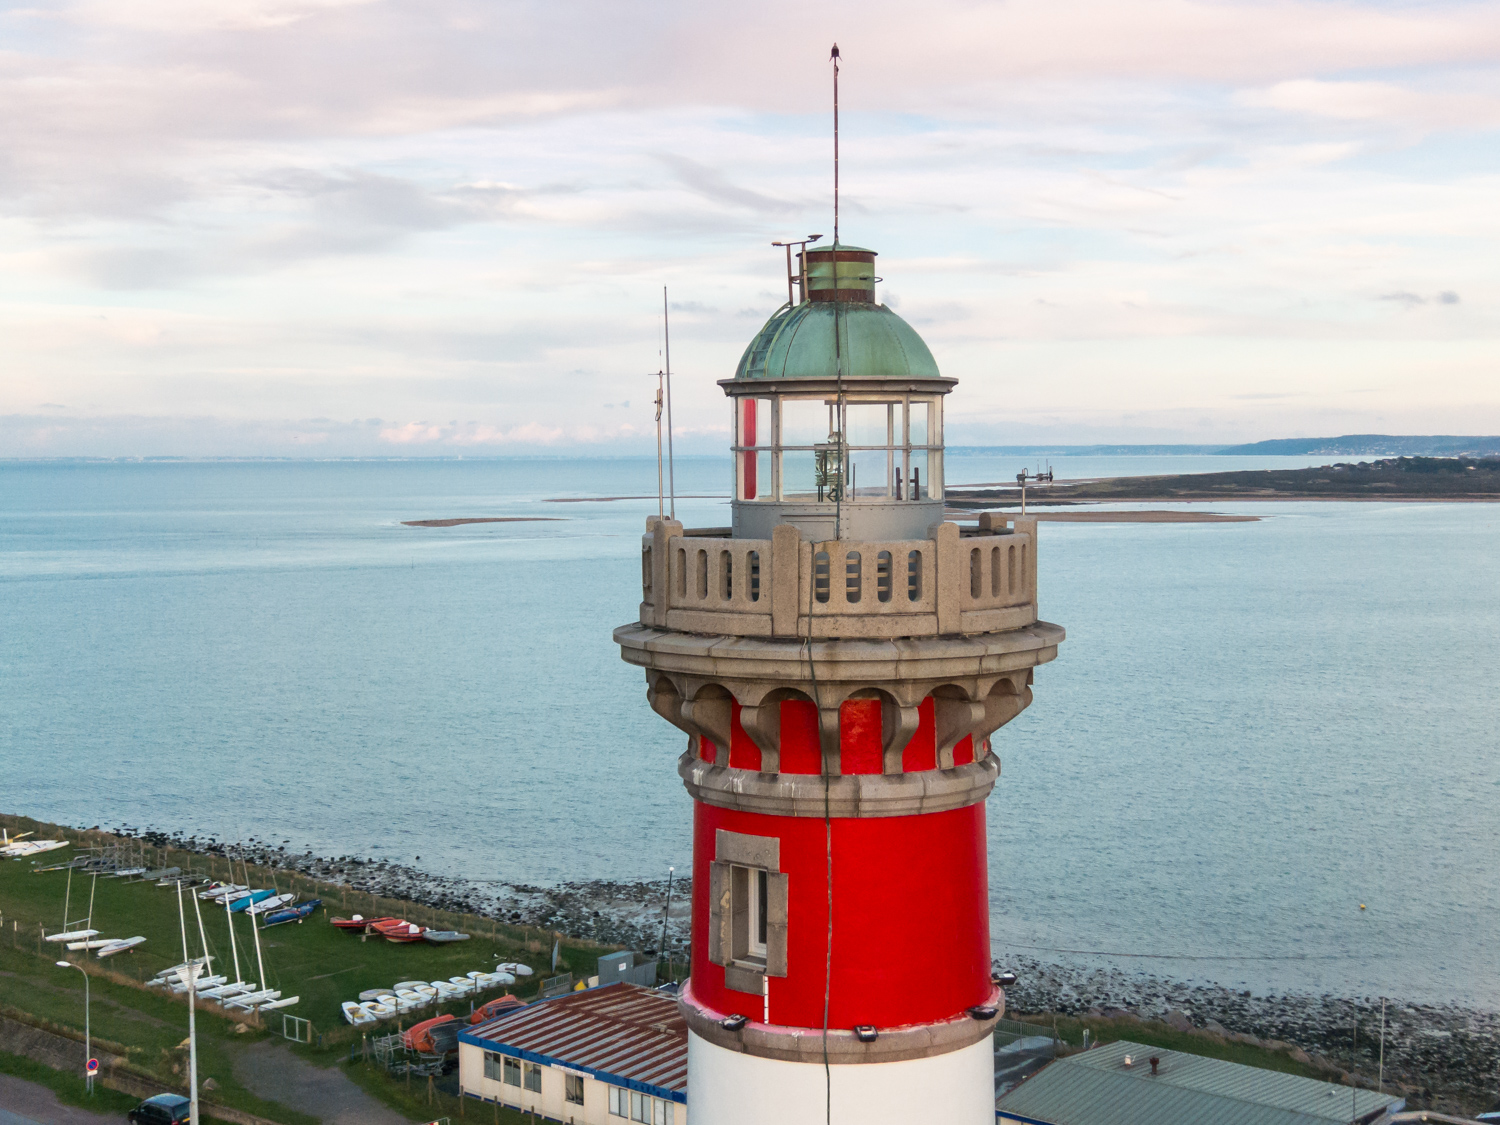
{"type": "Point", "coordinates": [661, 504]}
{"type": "Point", "coordinates": [835, 58]}
{"type": "Point", "coordinates": [666, 335]}
{"type": "Point", "coordinates": [838, 352]}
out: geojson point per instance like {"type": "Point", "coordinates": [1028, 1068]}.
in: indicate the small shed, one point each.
{"type": "Point", "coordinates": [627, 967]}
{"type": "Point", "coordinates": [1127, 1083]}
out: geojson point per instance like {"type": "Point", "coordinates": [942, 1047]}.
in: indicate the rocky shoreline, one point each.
{"type": "Point", "coordinates": [1440, 1056]}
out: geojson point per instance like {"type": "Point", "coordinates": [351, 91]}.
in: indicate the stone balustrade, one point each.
{"type": "Point", "coordinates": [951, 584]}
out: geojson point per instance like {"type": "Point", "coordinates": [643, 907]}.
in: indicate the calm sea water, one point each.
{"type": "Point", "coordinates": [1251, 730]}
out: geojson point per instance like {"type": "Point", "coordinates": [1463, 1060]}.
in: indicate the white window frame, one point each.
{"type": "Point", "coordinates": [753, 883]}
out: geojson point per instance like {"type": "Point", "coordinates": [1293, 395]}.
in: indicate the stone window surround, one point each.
{"type": "Point", "coordinates": [740, 849]}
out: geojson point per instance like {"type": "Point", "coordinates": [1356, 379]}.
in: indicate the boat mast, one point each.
{"type": "Point", "coordinates": [259, 960]}
{"type": "Point", "coordinates": [233, 948]}
{"type": "Point", "coordinates": [208, 961]}
{"type": "Point", "coordinates": [182, 921]}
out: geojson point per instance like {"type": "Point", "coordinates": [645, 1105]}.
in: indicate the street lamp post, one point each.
{"type": "Point", "coordinates": [88, 1046]}
{"type": "Point", "coordinates": [191, 975]}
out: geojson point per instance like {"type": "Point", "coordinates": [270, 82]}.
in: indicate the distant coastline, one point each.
{"type": "Point", "coordinates": [1429, 479]}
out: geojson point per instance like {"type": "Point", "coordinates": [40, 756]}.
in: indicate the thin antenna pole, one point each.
{"type": "Point", "coordinates": [665, 914]}
{"type": "Point", "coordinates": [666, 335]}
{"type": "Point", "coordinates": [838, 344]}
{"type": "Point", "coordinates": [835, 57]}
{"type": "Point", "coordinates": [661, 504]}
{"type": "Point", "coordinates": [1380, 1081]}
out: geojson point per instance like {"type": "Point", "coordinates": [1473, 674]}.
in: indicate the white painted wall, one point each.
{"type": "Point", "coordinates": [551, 1102]}
{"type": "Point", "coordinates": [728, 1088]}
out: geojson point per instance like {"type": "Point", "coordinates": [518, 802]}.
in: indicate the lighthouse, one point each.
{"type": "Point", "coordinates": [839, 659]}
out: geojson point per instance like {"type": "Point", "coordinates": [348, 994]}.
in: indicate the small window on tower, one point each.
{"type": "Point", "coordinates": [749, 900]}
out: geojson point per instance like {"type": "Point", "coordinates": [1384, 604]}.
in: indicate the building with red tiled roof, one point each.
{"type": "Point", "coordinates": [603, 1056]}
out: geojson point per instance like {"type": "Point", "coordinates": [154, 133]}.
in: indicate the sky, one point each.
{"type": "Point", "coordinates": [388, 228]}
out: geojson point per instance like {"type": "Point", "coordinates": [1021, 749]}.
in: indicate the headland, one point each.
{"type": "Point", "coordinates": [1433, 479]}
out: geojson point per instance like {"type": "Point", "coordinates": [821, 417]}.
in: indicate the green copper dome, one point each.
{"type": "Point", "coordinates": [798, 343]}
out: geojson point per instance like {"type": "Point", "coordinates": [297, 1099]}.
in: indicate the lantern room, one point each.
{"type": "Point", "coordinates": [838, 412]}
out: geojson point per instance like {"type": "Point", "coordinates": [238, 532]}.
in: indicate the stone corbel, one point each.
{"type": "Point", "coordinates": [955, 718]}
{"type": "Point", "coordinates": [712, 714]}
{"type": "Point", "coordinates": [1006, 700]}
{"type": "Point", "coordinates": [666, 700]}
{"type": "Point", "coordinates": [898, 725]}
{"type": "Point", "coordinates": [828, 732]}
{"type": "Point", "coordinates": [762, 722]}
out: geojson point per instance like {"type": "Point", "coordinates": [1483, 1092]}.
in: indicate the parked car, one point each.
{"type": "Point", "coordinates": [163, 1109]}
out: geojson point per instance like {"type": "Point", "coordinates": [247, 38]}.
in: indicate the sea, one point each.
{"type": "Point", "coordinates": [1266, 756]}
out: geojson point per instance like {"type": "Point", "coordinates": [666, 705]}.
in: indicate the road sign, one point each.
{"type": "Point", "coordinates": [93, 1066]}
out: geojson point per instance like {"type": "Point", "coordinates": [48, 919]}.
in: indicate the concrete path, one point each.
{"type": "Point", "coordinates": [270, 1070]}
{"type": "Point", "coordinates": [26, 1103]}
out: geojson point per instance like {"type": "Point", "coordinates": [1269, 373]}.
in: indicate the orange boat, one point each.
{"type": "Point", "coordinates": [358, 924]}
{"type": "Point", "coordinates": [398, 930]}
{"type": "Point", "coordinates": [418, 1037]}
{"type": "Point", "coordinates": [497, 1007]}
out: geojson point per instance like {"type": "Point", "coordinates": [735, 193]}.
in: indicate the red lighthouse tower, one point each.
{"type": "Point", "coordinates": [839, 659]}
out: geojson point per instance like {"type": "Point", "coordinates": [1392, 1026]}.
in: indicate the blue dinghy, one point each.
{"type": "Point", "coordinates": [292, 913]}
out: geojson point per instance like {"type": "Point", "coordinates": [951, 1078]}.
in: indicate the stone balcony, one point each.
{"type": "Point", "coordinates": [953, 583]}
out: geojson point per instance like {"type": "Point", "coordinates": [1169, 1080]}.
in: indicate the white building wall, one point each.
{"type": "Point", "coordinates": [551, 1102]}
{"type": "Point", "coordinates": [729, 1088]}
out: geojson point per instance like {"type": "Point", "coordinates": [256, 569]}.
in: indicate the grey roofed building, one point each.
{"type": "Point", "coordinates": [1098, 1088]}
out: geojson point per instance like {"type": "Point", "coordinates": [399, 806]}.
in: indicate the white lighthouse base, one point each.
{"type": "Point", "coordinates": [730, 1088]}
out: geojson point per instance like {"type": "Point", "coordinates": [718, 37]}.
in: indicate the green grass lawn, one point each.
{"type": "Point", "coordinates": [313, 960]}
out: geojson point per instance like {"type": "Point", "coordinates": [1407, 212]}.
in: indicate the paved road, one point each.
{"type": "Point", "coordinates": [271, 1070]}
{"type": "Point", "coordinates": [26, 1103]}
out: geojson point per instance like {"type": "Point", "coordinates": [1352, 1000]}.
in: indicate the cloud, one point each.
{"type": "Point", "coordinates": [480, 434]}
{"type": "Point", "coordinates": [714, 186]}
{"type": "Point", "coordinates": [295, 209]}
{"type": "Point", "coordinates": [1380, 101]}
{"type": "Point", "coordinates": [1411, 300]}
{"type": "Point", "coordinates": [186, 17]}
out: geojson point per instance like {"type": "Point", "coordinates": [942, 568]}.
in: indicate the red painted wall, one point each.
{"type": "Point", "coordinates": [743, 753]}
{"type": "Point", "coordinates": [859, 740]}
{"type": "Point", "coordinates": [911, 939]}
{"type": "Point", "coordinates": [859, 737]}
{"type": "Point", "coordinates": [800, 749]}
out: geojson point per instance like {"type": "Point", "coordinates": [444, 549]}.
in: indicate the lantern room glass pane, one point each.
{"type": "Point", "coordinates": [917, 423]}
{"type": "Point", "coordinates": [753, 424]}
{"type": "Point", "coordinates": [869, 474]}
{"type": "Point", "coordinates": [805, 421]}
{"type": "Point", "coordinates": [809, 476]}
{"type": "Point", "coordinates": [754, 475]}
{"type": "Point", "coordinates": [869, 423]}
{"type": "Point", "coordinates": [918, 483]}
